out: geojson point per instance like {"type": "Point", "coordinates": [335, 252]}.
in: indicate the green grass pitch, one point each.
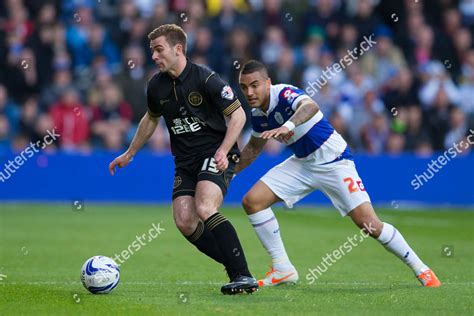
{"type": "Point", "coordinates": [42, 248]}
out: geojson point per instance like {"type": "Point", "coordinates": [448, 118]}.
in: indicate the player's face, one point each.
{"type": "Point", "coordinates": [164, 55]}
{"type": "Point", "coordinates": [256, 88]}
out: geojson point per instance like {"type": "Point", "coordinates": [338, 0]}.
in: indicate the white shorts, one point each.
{"type": "Point", "coordinates": [295, 178]}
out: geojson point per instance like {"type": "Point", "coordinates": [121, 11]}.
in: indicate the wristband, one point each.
{"type": "Point", "coordinates": [290, 125]}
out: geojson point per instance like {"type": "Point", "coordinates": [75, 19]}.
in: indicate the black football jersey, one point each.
{"type": "Point", "coordinates": [194, 107]}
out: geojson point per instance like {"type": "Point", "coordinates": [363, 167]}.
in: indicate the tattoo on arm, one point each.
{"type": "Point", "coordinates": [305, 110]}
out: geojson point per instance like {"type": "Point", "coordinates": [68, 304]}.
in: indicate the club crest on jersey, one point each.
{"type": "Point", "coordinates": [195, 98]}
{"type": "Point", "coordinates": [279, 118]}
{"type": "Point", "coordinates": [227, 93]}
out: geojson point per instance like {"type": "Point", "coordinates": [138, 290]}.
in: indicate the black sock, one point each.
{"type": "Point", "coordinates": [204, 240]}
{"type": "Point", "coordinates": [229, 243]}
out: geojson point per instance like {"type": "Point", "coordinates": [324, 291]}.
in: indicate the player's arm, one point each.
{"type": "Point", "coordinates": [305, 110]}
{"type": "Point", "coordinates": [224, 99]}
{"type": "Point", "coordinates": [250, 152]}
{"type": "Point", "coordinates": [145, 129]}
{"type": "Point", "coordinates": [235, 123]}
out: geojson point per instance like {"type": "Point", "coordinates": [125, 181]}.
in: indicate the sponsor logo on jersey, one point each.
{"type": "Point", "coordinates": [186, 125]}
{"type": "Point", "coordinates": [195, 98]}
{"type": "Point", "coordinates": [227, 93]}
{"type": "Point", "coordinates": [290, 95]}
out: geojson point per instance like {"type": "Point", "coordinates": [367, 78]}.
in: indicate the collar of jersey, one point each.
{"type": "Point", "coordinates": [185, 71]}
{"type": "Point", "coordinates": [272, 102]}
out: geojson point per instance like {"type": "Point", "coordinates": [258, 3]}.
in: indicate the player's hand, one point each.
{"type": "Point", "coordinates": [221, 160]}
{"type": "Point", "coordinates": [121, 161]}
{"type": "Point", "coordinates": [282, 134]}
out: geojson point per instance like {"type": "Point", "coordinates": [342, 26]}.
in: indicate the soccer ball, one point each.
{"type": "Point", "coordinates": [100, 275]}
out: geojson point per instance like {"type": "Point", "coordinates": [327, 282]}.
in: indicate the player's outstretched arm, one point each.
{"type": "Point", "coordinates": [250, 152]}
{"type": "Point", "coordinates": [235, 123]}
{"type": "Point", "coordinates": [145, 129]}
{"type": "Point", "coordinates": [305, 110]}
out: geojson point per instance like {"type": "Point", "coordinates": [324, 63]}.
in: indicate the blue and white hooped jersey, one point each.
{"type": "Point", "coordinates": [314, 139]}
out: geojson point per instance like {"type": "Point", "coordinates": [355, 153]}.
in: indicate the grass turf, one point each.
{"type": "Point", "coordinates": [42, 248]}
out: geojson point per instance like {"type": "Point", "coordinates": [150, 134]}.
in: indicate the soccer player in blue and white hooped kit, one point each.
{"type": "Point", "coordinates": [321, 161]}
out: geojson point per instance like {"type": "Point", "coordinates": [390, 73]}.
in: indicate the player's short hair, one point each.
{"type": "Point", "coordinates": [253, 66]}
{"type": "Point", "coordinates": [173, 33]}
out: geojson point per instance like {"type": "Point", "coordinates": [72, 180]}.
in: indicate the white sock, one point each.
{"type": "Point", "coordinates": [268, 231]}
{"type": "Point", "coordinates": [394, 242]}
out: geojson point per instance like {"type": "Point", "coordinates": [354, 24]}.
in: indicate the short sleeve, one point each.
{"type": "Point", "coordinates": [221, 94]}
{"type": "Point", "coordinates": [154, 109]}
{"type": "Point", "coordinates": [292, 96]}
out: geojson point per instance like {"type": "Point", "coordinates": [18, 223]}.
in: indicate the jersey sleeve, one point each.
{"type": "Point", "coordinates": [221, 94]}
{"type": "Point", "coordinates": [154, 109]}
{"type": "Point", "coordinates": [292, 96]}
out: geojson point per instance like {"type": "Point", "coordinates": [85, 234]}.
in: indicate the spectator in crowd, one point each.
{"type": "Point", "coordinates": [111, 118]}
{"type": "Point", "coordinates": [415, 132]}
{"type": "Point", "coordinates": [4, 133]}
{"type": "Point", "coordinates": [325, 15]}
{"type": "Point", "coordinates": [467, 86]}
{"type": "Point", "coordinates": [10, 113]}
{"type": "Point", "coordinates": [457, 128]}
{"type": "Point", "coordinates": [438, 79]}
{"type": "Point", "coordinates": [374, 134]}
{"type": "Point", "coordinates": [286, 70]}
{"type": "Point", "coordinates": [70, 120]}
{"type": "Point", "coordinates": [206, 47]}
{"type": "Point", "coordinates": [395, 143]}
{"type": "Point", "coordinates": [132, 81]}
{"type": "Point", "coordinates": [437, 119]}
{"type": "Point", "coordinates": [402, 91]}
{"type": "Point", "coordinates": [383, 61]}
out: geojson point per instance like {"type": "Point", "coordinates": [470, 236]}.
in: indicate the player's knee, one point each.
{"type": "Point", "coordinates": [250, 203]}
{"type": "Point", "coordinates": [205, 209]}
{"type": "Point", "coordinates": [186, 223]}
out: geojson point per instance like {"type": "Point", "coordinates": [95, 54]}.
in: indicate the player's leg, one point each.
{"type": "Point", "coordinates": [342, 184]}
{"type": "Point", "coordinates": [288, 182]}
{"type": "Point", "coordinates": [210, 191]}
{"type": "Point", "coordinates": [186, 218]}
{"type": "Point", "coordinates": [365, 218]}
{"type": "Point", "coordinates": [257, 203]}
{"type": "Point", "coordinates": [193, 228]}
{"type": "Point", "coordinates": [208, 199]}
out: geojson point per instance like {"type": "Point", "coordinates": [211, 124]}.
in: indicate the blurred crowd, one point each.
{"type": "Point", "coordinates": [81, 66]}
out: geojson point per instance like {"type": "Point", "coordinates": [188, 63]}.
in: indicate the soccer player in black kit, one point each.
{"type": "Point", "coordinates": [196, 104]}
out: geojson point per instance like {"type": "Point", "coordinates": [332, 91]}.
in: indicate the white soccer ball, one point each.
{"type": "Point", "coordinates": [100, 275]}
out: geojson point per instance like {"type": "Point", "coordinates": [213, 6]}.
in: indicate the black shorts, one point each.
{"type": "Point", "coordinates": [188, 173]}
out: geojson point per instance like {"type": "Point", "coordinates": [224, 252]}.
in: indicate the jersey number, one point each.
{"type": "Point", "coordinates": [209, 165]}
{"type": "Point", "coordinates": [354, 186]}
